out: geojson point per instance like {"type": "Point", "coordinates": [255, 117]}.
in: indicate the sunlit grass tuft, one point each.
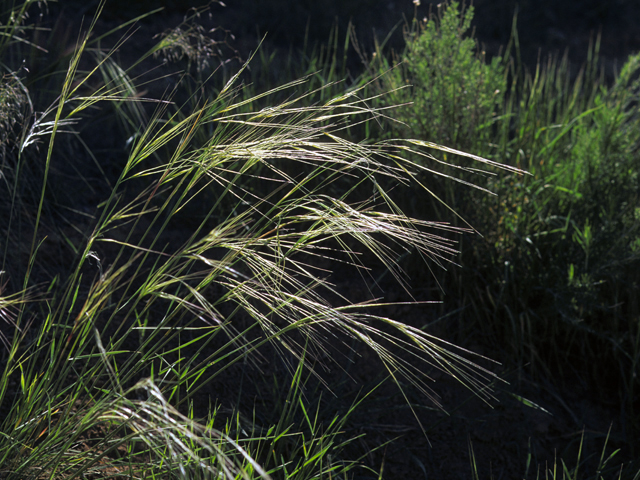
{"type": "Point", "coordinates": [197, 255]}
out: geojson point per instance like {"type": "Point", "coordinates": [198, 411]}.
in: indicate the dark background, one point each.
{"type": "Point", "coordinates": [544, 26]}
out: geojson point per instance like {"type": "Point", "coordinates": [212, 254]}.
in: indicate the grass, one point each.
{"type": "Point", "coordinates": [183, 255]}
{"type": "Point", "coordinates": [178, 312]}
{"type": "Point", "coordinates": [554, 280]}
{"type": "Point", "coordinates": [534, 287]}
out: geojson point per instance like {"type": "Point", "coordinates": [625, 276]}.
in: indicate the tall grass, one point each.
{"type": "Point", "coordinates": [134, 282]}
{"type": "Point", "coordinates": [554, 281]}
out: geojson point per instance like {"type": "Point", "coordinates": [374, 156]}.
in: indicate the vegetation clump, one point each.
{"type": "Point", "coordinates": [173, 299]}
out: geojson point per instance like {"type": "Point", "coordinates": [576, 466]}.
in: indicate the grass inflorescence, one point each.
{"type": "Point", "coordinates": [172, 298]}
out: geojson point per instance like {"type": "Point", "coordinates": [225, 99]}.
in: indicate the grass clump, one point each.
{"type": "Point", "coordinates": [181, 310]}
{"type": "Point", "coordinates": [185, 252]}
{"type": "Point", "coordinates": [554, 281]}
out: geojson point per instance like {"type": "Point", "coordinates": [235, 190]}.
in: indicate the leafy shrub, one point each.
{"type": "Point", "coordinates": [569, 242]}
{"type": "Point", "coordinates": [452, 93]}
{"type": "Point", "coordinates": [554, 279]}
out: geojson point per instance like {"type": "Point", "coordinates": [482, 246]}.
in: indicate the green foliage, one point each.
{"type": "Point", "coordinates": [554, 280]}
{"type": "Point", "coordinates": [566, 236]}
{"type": "Point", "coordinates": [212, 233]}
{"type": "Point", "coordinates": [185, 253]}
{"type": "Point", "coordinates": [452, 92]}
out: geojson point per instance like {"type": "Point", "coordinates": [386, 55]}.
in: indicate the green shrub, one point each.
{"type": "Point", "coordinates": [453, 94]}
{"type": "Point", "coordinates": [554, 280]}
{"type": "Point", "coordinates": [565, 238]}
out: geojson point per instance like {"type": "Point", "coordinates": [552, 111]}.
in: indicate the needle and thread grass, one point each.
{"type": "Point", "coordinates": [156, 301]}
